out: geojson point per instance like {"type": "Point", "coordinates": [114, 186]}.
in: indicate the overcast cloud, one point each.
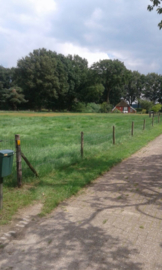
{"type": "Point", "coordinates": [94, 29]}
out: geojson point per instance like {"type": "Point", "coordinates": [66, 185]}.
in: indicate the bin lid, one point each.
{"type": "Point", "coordinates": [6, 152]}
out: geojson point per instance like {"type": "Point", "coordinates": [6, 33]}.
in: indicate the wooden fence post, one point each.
{"type": "Point", "coordinates": [144, 124]}
{"type": "Point", "coordinates": [132, 131]}
{"type": "Point", "coordinates": [29, 164]}
{"type": "Point", "coordinates": [113, 135]}
{"type": "Point", "coordinates": [18, 160]}
{"type": "Point", "coordinates": [82, 143]}
{"type": "Point", "coordinates": [158, 117]}
{"type": "Point", "coordinates": [152, 121]}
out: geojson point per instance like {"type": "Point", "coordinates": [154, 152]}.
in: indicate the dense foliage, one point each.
{"type": "Point", "coordinates": [156, 4]}
{"type": "Point", "coordinates": [47, 80]}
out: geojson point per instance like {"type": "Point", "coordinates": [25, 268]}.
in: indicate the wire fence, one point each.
{"type": "Point", "coordinates": [46, 153]}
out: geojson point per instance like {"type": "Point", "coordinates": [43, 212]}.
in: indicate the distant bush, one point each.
{"type": "Point", "coordinates": [139, 109]}
{"type": "Point", "coordinates": [78, 107]}
{"type": "Point", "coordinates": [143, 111]}
{"type": "Point", "coordinates": [105, 107]}
{"type": "Point", "coordinates": [89, 108]}
{"type": "Point", "coordinates": [93, 107]}
{"type": "Point", "coordinates": [116, 111]}
{"type": "Point", "coordinates": [145, 104]}
{"type": "Point", "coordinates": [156, 108]}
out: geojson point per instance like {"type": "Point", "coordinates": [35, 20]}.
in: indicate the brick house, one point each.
{"type": "Point", "coordinates": [124, 107]}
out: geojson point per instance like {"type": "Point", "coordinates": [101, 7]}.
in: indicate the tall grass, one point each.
{"type": "Point", "coordinates": [54, 142]}
{"type": "Point", "coordinates": [52, 145]}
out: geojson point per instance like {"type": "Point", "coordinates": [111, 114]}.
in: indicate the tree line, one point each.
{"type": "Point", "coordinates": [47, 80]}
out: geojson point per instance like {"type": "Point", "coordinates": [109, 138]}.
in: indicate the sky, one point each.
{"type": "Point", "coordinates": [94, 29]}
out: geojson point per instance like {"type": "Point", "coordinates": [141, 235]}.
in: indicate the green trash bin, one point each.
{"type": "Point", "coordinates": [6, 161]}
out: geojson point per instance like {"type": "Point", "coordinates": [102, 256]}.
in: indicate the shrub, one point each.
{"type": "Point", "coordinates": [156, 108]}
{"type": "Point", "coordinates": [89, 108]}
{"type": "Point", "coordinates": [139, 109]}
{"type": "Point", "coordinates": [93, 107]}
{"type": "Point", "coordinates": [116, 111]}
{"type": "Point", "coordinates": [105, 107]}
{"type": "Point", "coordinates": [143, 111]}
{"type": "Point", "coordinates": [145, 104]}
{"type": "Point", "coordinates": [78, 107]}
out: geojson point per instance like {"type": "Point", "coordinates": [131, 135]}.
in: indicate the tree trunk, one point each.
{"type": "Point", "coordinates": [107, 99]}
{"type": "Point", "coordinates": [14, 106]}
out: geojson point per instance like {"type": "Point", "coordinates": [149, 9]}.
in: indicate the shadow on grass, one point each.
{"type": "Point", "coordinates": [77, 176]}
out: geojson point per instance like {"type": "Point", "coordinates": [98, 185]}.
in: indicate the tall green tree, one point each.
{"type": "Point", "coordinates": [152, 87]}
{"type": "Point", "coordinates": [111, 73]}
{"type": "Point", "coordinates": [160, 89]}
{"type": "Point", "coordinates": [77, 77]}
{"type": "Point", "coordinates": [92, 93]}
{"type": "Point", "coordinates": [59, 103]}
{"type": "Point", "coordinates": [91, 89]}
{"type": "Point", "coordinates": [157, 5]}
{"type": "Point", "coordinates": [116, 95]}
{"type": "Point", "coordinates": [76, 74]}
{"type": "Point", "coordinates": [14, 97]}
{"type": "Point", "coordinates": [6, 81]}
{"type": "Point", "coordinates": [40, 75]}
{"type": "Point", "coordinates": [6, 77]}
{"type": "Point", "coordinates": [134, 85]}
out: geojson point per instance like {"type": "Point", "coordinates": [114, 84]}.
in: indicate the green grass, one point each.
{"type": "Point", "coordinates": [52, 145]}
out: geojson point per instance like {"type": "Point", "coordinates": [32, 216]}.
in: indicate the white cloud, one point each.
{"type": "Point", "coordinates": [120, 29]}
{"type": "Point", "coordinates": [91, 56]}
{"type": "Point", "coordinates": [23, 26]}
{"type": "Point", "coordinates": [43, 7]}
{"type": "Point", "coordinates": [39, 7]}
{"type": "Point", "coordinates": [97, 14]}
{"type": "Point", "coordinates": [95, 19]}
{"type": "Point", "coordinates": [23, 45]}
{"type": "Point", "coordinates": [27, 13]}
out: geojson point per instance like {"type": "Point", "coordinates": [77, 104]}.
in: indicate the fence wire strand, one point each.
{"type": "Point", "coordinates": [42, 154]}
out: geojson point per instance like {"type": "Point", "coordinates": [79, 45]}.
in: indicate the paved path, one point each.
{"type": "Point", "coordinates": [116, 223]}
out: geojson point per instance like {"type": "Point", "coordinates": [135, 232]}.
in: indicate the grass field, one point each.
{"type": "Point", "coordinates": [52, 145]}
